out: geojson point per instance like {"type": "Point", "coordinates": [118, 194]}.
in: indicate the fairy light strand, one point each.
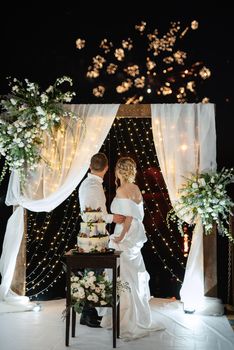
{"type": "Point", "coordinates": [45, 271]}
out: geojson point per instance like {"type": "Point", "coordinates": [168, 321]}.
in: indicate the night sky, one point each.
{"type": "Point", "coordinates": [38, 43]}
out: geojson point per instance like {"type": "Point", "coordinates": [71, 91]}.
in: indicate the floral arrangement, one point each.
{"type": "Point", "coordinates": [205, 195]}
{"type": "Point", "coordinates": [94, 289]}
{"type": "Point", "coordinates": [26, 113]}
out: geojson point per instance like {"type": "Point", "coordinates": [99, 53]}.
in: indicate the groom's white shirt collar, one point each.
{"type": "Point", "coordinates": [98, 178]}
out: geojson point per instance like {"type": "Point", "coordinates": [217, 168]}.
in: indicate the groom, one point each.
{"type": "Point", "coordinates": [91, 194]}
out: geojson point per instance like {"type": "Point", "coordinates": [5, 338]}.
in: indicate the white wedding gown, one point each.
{"type": "Point", "coordinates": [135, 314]}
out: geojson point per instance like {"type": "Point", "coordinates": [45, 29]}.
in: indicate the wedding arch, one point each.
{"type": "Point", "coordinates": [185, 141]}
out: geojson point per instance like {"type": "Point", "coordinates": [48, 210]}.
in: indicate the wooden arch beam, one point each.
{"type": "Point", "coordinates": [134, 111]}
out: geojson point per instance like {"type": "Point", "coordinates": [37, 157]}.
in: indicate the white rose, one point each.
{"type": "Point", "coordinates": [209, 210]}
{"type": "Point", "coordinates": [40, 111]}
{"type": "Point", "coordinates": [90, 273]}
{"type": "Point", "coordinates": [91, 279]}
{"type": "Point", "coordinates": [50, 88]}
{"type": "Point", "coordinates": [76, 295]}
{"type": "Point", "coordinates": [45, 126]}
{"type": "Point", "coordinates": [95, 298]}
{"type": "Point", "coordinates": [81, 292]}
{"type": "Point", "coordinates": [44, 98]}
{"type": "Point", "coordinates": [13, 101]}
{"type": "Point", "coordinates": [194, 185]}
{"type": "Point", "coordinates": [202, 182]}
{"type": "Point", "coordinates": [67, 98]}
{"type": "Point", "coordinates": [28, 134]}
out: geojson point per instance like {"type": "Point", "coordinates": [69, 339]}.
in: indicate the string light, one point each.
{"type": "Point", "coordinates": [133, 136]}
{"type": "Point", "coordinates": [50, 235]}
{"type": "Point", "coordinates": [46, 263]}
{"type": "Point", "coordinates": [186, 240]}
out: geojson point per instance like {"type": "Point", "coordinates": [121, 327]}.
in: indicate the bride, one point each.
{"type": "Point", "coordinates": [129, 237]}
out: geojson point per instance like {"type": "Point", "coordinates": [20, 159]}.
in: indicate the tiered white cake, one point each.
{"type": "Point", "coordinates": [93, 236]}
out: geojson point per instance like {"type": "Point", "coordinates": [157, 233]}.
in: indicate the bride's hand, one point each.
{"type": "Point", "coordinates": [117, 239]}
{"type": "Point", "coordinates": [118, 219]}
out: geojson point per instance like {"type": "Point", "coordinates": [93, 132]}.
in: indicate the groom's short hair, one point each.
{"type": "Point", "coordinates": [98, 162]}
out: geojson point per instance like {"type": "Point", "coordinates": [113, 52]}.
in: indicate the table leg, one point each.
{"type": "Point", "coordinates": [114, 314]}
{"type": "Point", "coordinates": [118, 309]}
{"type": "Point", "coordinates": [118, 320]}
{"type": "Point", "coordinates": [68, 306]}
{"type": "Point", "coordinates": [67, 327]}
{"type": "Point", "coordinates": [73, 322]}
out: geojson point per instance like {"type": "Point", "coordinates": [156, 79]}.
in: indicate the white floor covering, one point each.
{"type": "Point", "coordinates": [45, 330]}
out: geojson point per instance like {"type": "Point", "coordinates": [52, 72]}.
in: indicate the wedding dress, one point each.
{"type": "Point", "coordinates": [135, 314]}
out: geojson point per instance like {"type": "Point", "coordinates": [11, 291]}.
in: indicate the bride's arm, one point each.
{"type": "Point", "coordinates": [126, 226]}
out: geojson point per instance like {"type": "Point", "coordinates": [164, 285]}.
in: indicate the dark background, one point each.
{"type": "Point", "coordinates": [38, 43]}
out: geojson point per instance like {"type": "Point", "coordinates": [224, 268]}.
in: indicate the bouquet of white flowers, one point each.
{"type": "Point", "coordinates": [205, 195]}
{"type": "Point", "coordinates": [93, 289]}
{"type": "Point", "coordinates": [25, 114]}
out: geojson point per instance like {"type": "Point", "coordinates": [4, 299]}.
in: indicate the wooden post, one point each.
{"type": "Point", "coordinates": [231, 301]}
{"type": "Point", "coordinates": [210, 263]}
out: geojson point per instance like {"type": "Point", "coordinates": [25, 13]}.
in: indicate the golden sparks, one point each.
{"type": "Point", "coordinates": [106, 45]}
{"type": "Point", "coordinates": [111, 68]}
{"type": "Point", "coordinates": [140, 27]}
{"type": "Point", "coordinates": [127, 44]}
{"type": "Point", "coordinates": [119, 54]}
{"type": "Point", "coordinates": [161, 71]}
{"type": "Point", "coordinates": [205, 73]}
{"type": "Point", "coordinates": [125, 86]}
{"type": "Point", "coordinates": [80, 44]}
{"type": "Point", "coordinates": [99, 91]}
{"type": "Point", "coordinates": [194, 25]}
{"type": "Point", "coordinates": [132, 70]}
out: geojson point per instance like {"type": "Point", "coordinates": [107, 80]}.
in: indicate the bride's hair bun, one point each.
{"type": "Point", "coordinates": [126, 167]}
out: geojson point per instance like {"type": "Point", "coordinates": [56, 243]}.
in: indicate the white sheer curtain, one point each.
{"type": "Point", "coordinates": [69, 153]}
{"type": "Point", "coordinates": [185, 141]}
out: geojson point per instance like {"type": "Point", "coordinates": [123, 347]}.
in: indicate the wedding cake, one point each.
{"type": "Point", "coordinates": [93, 236]}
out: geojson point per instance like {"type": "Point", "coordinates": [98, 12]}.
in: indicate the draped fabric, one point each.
{"type": "Point", "coordinates": [185, 141]}
{"type": "Point", "coordinates": [68, 153]}
{"type": "Point", "coordinates": [135, 315]}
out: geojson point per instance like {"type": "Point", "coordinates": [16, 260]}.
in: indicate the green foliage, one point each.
{"type": "Point", "coordinates": [205, 195]}
{"type": "Point", "coordinates": [27, 113]}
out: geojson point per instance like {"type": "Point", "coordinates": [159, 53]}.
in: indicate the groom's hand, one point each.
{"type": "Point", "coordinates": [118, 219]}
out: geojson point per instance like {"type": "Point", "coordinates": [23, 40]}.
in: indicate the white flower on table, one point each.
{"type": "Point", "coordinates": [99, 292]}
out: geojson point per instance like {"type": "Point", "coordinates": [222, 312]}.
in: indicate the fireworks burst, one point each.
{"type": "Point", "coordinates": [161, 70]}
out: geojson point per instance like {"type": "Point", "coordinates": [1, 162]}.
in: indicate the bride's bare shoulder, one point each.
{"type": "Point", "coordinates": [121, 192]}
{"type": "Point", "coordinates": [130, 191]}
